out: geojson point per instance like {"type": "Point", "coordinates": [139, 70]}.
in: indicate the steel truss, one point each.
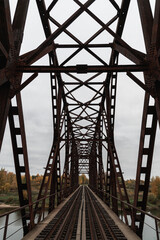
{"type": "Point", "coordinates": [83, 128]}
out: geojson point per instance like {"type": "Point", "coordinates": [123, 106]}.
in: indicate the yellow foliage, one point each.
{"type": "Point", "coordinates": [155, 186]}
{"type": "Point", "coordinates": [83, 179]}
{"type": "Point", "coordinates": [25, 196]}
{"type": "Point", "coordinates": [6, 187]}
{"type": "Point", "coordinates": [8, 181]}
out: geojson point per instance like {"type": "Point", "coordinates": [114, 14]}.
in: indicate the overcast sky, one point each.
{"type": "Point", "coordinates": [37, 99]}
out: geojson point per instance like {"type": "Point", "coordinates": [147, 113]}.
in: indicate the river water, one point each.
{"type": "Point", "coordinates": [15, 227]}
{"type": "Point", "coordinates": [149, 232]}
{"type": "Point", "coordinates": [15, 218]}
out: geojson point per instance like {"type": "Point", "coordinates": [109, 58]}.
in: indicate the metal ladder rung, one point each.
{"type": "Point", "coordinates": [141, 187]}
{"type": "Point", "coordinates": [148, 131]}
{"type": "Point", "coordinates": [17, 131]}
{"type": "Point", "coordinates": [25, 202]}
{"type": "Point", "coordinates": [145, 151]}
{"type": "Point", "coordinates": [24, 186]}
{"type": "Point", "coordinates": [20, 150]}
{"type": "Point", "coordinates": [151, 110]}
{"type": "Point", "coordinates": [47, 174]}
{"type": "Point", "coordinates": [14, 110]}
{"type": "Point", "coordinates": [139, 204]}
{"type": "Point", "coordinates": [128, 211]}
{"type": "Point", "coordinates": [119, 174]}
{"type": "Point", "coordinates": [138, 218]}
{"type": "Point", "coordinates": [143, 169]}
{"type": "Point", "coordinates": [22, 168]}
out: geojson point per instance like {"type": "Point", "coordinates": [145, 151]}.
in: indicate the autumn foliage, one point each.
{"type": "Point", "coordinates": [8, 181]}
{"type": "Point", "coordinates": [83, 179]}
{"type": "Point", "coordinates": [155, 187]}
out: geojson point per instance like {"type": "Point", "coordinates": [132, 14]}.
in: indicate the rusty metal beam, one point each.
{"type": "Point", "coordinates": [155, 39]}
{"type": "Point", "coordinates": [54, 35]}
{"type": "Point", "coordinates": [19, 146]}
{"type": "Point", "coordinates": [125, 52]}
{"type": "Point", "coordinates": [6, 37]}
{"type": "Point", "coordinates": [144, 165]}
{"type": "Point", "coordinates": [83, 132]}
{"type": "Point", "coordinates": [146, 20]}
{"type": "Point", "coordinates": [6, 41]}
{"type": "Point", "coordinates": [19, 23]}
{"type": "Point", "coordinates": [4, 108]}
{"type": "Point", "coordinates": [83, 68]}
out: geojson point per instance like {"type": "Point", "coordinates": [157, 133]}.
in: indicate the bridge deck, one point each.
{"type": "Point", "coordinates": [82, 215]}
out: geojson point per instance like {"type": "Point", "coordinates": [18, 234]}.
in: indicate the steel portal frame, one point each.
{"type": "Point", "coordinates": [85, 127]}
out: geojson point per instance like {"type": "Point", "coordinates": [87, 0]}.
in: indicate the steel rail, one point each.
{"type": "Point", "coordinates": [57, 226]}
{"type": "Point", "coordinates": [107, 227]}
{"type": "Point", "coordinates": [156, 219]}
{"type": "Point", "coordinates": [67, 227]}
{"type": "Point", "coordinates": [95, 217]}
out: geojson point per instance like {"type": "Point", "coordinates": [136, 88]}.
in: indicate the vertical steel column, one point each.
{"type": "Point", "coordinates": [115, 164]}
{"type": "Point", "coordinates": [56, 174]}
{"type": "Point", "coordinates": [6, 41]}
{"type": "Point", "coordinates": [112, 79]}
{"type": "Point", "coordinates": [10, 41]}
{"type": "Point", "coordinates": [93, 167]}
{"type": "Point", "coordinates": [65, 176]}
{"type": "Point", "coordinates": [4, 108]}
{"type": "Point", "coordinates": [74, 165]}
{"type": "Point", "coordinates": [16, 123]}
{"type": "Point", "coordinates": [50, 168]}
{"type": "Point", "coordinates": [147, 139]}
{"type": "Point", "coordinates": [108, 181]}
{"type": "Point", "coordinates": [54, 98]}
{"type": "Point", "coordinates": [101, 177]}
{"type": "Point", "coordinates": [151, 30]}
{"type": "Point", "coordinates": [111, 184]}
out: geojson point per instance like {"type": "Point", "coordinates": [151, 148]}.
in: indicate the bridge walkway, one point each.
{"type": "Point", "coordinates": [83, 215]}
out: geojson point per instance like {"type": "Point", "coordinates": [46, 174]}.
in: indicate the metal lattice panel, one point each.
{"type": "Point", "coordinates": [86, 51]}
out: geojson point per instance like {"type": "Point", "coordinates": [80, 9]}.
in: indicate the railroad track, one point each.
{"type": "Point", "coordinates": [99, 225]}
{"type": "Point", "coordinates": [70, 223]}
{"type": "Point", "coordinates": [64, 224]}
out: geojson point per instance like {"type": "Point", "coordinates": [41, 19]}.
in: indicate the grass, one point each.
{"type": "Point", "coordinates": [10, 198]}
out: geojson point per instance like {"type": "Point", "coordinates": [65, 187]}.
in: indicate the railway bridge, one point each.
{"type": "Point", "coordinates": [89, 51]}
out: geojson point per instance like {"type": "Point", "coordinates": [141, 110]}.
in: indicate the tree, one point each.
{"type": "Point", "coordinates": [3, 174]}
{"type": "Point", "coordinates": [155, 186]}
{"type": "Point", "coordinates": [6, 188]}
{"type": "Point", "coordinates": [83, 179]}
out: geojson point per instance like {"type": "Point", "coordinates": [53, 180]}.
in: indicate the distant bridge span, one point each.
{"type": "Point", "coordinates": [86, 50]}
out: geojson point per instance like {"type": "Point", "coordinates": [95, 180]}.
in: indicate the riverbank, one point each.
{"type": "Point", "coordinates": [3, 205]}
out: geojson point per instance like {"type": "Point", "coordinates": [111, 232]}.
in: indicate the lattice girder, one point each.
{"type": "Point", "coordinates": [83, 68]}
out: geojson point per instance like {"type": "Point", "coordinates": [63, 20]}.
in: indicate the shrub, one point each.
{"type": "Point", "coordinates": [152, 198]}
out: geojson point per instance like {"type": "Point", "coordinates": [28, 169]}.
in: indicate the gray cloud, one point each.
{"type": "Point", "coordinates": [37, 99]}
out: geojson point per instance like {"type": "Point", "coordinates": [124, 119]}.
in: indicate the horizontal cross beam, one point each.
{"type": "Point", "coordinates": [83, 68]}
{"type": "Point", "coordinates": [85, 140]}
